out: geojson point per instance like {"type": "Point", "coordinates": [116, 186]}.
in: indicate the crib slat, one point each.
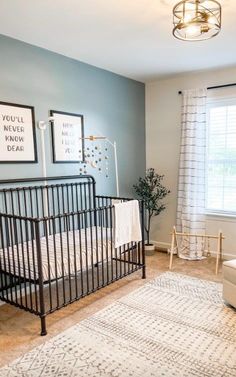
{"type": "Point", "coordinates": [86, 248]}
{"type": "Point", "coordinates": [55, 260]}
{"type": "Point", "coordinates": [106, 242]}
{"type": "Point", "coordinates": [48, 252]}
{"type": "Point", "coordinates": [110, 213]}
{"type": "Point", "coordinates": [67, 221]}
{"type": "Point", "coordinates": [34, 258]}
{"type": "Point", "coordinates": [96, 246]}
{"type": "Point", "coordinates": [80, 216]}
{"type": "Point", "coordinates": [101, 245]}
{"type": "Point", "coordinates": [62, 258]}
{"type": "Point", "coordinates": [28, 261]}
{"type": "Point", "coordinates": [5, 241]}
{"type": "Point", "coordinates": [91, 245]}
{"type": "Point", "coordinates": [75, 256]}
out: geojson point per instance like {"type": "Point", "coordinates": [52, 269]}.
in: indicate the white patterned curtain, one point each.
{"type": "Point", "coordinates": [191, 187]}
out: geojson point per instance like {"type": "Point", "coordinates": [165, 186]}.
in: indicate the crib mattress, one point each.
{"type": "Point", "coordinates": [62, 254]}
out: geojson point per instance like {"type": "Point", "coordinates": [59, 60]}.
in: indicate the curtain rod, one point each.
{"type": "Point", "coordinates": [216, 87]}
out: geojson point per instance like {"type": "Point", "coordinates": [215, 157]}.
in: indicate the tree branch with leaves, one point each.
{"type": "Point", "coordinates": [152, 192]}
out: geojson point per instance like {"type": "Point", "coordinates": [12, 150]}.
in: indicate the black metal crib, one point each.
{"type": "Point", "coordinates": [56, 243]}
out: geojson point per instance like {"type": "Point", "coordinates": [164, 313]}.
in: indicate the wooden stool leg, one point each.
{"type": "Point", "coordinates": [172, 248]}
{"type": "Point", "coordinates": [219, 251]}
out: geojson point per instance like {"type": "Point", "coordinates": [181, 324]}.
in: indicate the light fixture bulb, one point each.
{"type": "Point", "coordinates": [187, 18]}
{"type": "Point", "coordinates": [193, 30]}
{"type": "Point", "coordinates": [211, 20]}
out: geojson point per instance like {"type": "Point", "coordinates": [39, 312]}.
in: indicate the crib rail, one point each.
{"type": "Point", "coordinates": [66, 194]}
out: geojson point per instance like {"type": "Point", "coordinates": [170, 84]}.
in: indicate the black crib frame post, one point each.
{"type": "Point", "coordinates": [94, 200]}
{"type": "Point", "coordinates": [143, 241]}
{"type": "Point", "coordinates": [94, 192]}
{"type": "Point", "coordinates": [40, 278]}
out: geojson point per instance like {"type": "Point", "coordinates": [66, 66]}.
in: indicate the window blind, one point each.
{"type": "Point", "coordinates": [221, 158]}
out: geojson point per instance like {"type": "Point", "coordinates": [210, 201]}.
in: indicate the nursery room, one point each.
{"type": "Point", "coordinates": [117, 188]}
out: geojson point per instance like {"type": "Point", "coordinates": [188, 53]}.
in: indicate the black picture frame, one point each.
{"type": "Point", "coordinates": [54, 154]}
{"type": "Point", "coordinates": [34, 141]}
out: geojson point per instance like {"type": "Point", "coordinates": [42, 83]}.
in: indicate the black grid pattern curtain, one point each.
{"type": "Point", "coordinates": [191, 185]}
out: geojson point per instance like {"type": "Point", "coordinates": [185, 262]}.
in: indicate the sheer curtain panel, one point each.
{"type": "Point", "coordinates": [191, 185]}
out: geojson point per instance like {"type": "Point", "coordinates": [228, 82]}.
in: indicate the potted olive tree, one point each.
{"type": "Point", "coordinates": [152, 192]}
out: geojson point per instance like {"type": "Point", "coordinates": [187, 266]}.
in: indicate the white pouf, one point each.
{"type": "Point", "coordinates": [229, 282]}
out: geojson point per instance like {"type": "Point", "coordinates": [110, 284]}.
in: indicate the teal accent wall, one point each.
{"type": "Point", "coordinates": [112, 105]}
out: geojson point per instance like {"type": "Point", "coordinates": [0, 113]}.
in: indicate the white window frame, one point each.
{"type": "Point", "coordinates": [211, 103]}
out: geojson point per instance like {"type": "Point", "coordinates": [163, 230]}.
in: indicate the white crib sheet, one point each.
{"type": "Point", "coordinates": [81, 249]}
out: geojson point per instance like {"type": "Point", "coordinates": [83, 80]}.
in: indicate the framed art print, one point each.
{"type": "Point", "coordinates": [67, 137]}
{"type": "Point", "coordinates": [17, 134]}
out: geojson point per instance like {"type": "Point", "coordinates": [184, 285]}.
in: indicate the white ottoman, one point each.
{"type": "Point", "coordinates": [229, 282]}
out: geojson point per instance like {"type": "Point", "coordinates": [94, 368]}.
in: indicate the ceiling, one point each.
{"type": "Point", "coordinates": [129, 37]}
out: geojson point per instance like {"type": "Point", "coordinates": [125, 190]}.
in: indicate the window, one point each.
{"type": "Point", "coordinates": [221, 157]}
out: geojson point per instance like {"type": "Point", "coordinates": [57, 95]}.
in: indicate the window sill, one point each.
{"type": "Point", "coordinates": [221, 215]}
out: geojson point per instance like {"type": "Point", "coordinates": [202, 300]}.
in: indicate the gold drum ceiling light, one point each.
{"type": "Point", "coordinates": [196, 20]}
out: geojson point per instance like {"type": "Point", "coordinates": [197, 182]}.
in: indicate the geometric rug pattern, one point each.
{"type": "Point", "coordinates": [173, 326]}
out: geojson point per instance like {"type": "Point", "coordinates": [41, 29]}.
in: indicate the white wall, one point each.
{"type": "Point", "coordinates": [163, 114]}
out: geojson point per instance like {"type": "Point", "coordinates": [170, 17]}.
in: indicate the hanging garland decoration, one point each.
{"type": "Point", "coordinates": [96, 156]}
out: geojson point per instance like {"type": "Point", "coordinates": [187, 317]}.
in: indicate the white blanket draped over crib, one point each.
{"type": "Point", "coordinates": [127, 223]}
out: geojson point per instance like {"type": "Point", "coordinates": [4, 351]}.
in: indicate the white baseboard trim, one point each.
{"type": "Point", "coordinates": [166, 245]}
{"type": "Point", "coordinates": [225, 255]}
{"type": "Point", "coordinates": [161, 245]}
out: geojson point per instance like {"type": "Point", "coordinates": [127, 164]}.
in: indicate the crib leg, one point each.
{"type": "Point", "coordinates": [43, 326]}
{"type": "Point", "coordinates": [144, 272]}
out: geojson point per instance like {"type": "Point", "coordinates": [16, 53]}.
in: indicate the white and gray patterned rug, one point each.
{"type": "Point", "coordinates": [173, 326]}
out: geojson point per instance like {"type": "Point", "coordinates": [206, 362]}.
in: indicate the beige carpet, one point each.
{"type": "Point", "coordinates": [173, 326]}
